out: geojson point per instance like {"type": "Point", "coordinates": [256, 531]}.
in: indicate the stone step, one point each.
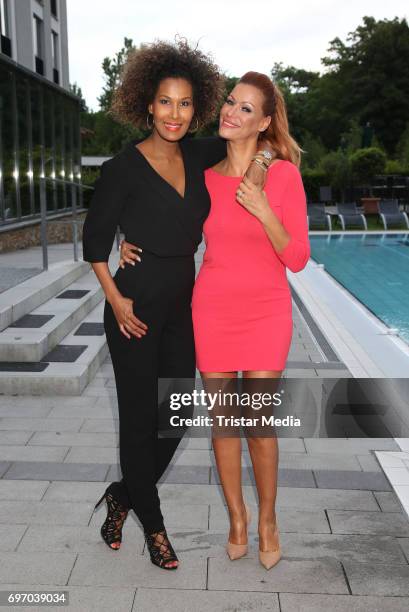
{"type": "Point", "coordinates": [66, 370]}
{"type": "Point", "coordinates": [28, 295]}
{"type": "Point", "coordinates": [33, 336]}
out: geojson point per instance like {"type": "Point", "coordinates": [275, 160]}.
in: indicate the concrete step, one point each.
{"type": "Point", "coordinates": [66, 370]}
{"type": "Point", "coordinates": [28, 295]}
{"type": "Point", "coordinates": [33, 336]}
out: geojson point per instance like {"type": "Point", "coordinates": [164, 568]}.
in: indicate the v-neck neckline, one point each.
{"type": "Point", "coordinates": [157, 174]}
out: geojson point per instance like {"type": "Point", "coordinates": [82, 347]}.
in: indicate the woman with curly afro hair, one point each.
{"type": "Point", "coordinates": [155, 191]}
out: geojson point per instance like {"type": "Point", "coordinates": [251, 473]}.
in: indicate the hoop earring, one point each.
{"type": "Point", "coordinates": [150, 127]}
{"type": "Point", "coordinates": [196, 128]}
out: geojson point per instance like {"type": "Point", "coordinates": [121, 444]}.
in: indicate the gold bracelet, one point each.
{"type": "Point", "coordinates": [259, 162]}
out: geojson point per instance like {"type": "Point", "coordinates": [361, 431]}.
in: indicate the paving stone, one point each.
{"type": "Point", "coordinates": [290, 575]}
{"type": "Point", "coordinates": [40, 424]}
{"type": "Point", "coordinates": [52, 438]}
{"type": "Point", "coordinates": [378, 579]}
{"type": "Point", "coordinates": [388, 501]}
{"type": "Point", "coordinates": [352, 446]}
{"type": "Point", "coordinates": [22, 490]}
{"type": "Point", "coordinates": [97, 411]}
{"type": "Point", "coordinates": [118, 571]}
{"type": "Point", "coordinates": [190, 443]}
{"type": "Point", "coordinates": [291, 602]}
{"type": "Point", "coordinates": [45, 513]}
{"type": "Point", "coordinates": [114, 473]}
{"type": "Point", "coordinates": [22, 411]}
{"type": "Point", "coordinates": [289, 520]}
{"type": "Point", "coordinates": [86, 539]}
{"type": "Point", "coordinates": [193, 457]}
{"type": "Point", "coordinates": [92, 454]}
{"type": "Point", "coordinates": [99, 425]}
{"type": "Point", "coordinates": [46, 401]}
{"type": "Point", "coordinates": [286, 477]}
{"type": "Point", "coordinates": [39, 568]}
{"type": "Point", "coordinates": [365, 549]}
{"type": "Point", "coordinates": [46, 470]}
{"type": "Point", "coordinates": [327, 498]}
{"type": "Point", "coordinates": [4, 466]}
{"type": "Point", "coordinates": [187, 474]}
{"type": "Point", "coordinates": [203, 601]}
{"type": "Point", "coordinates": [32, 453]}
{"type": "Point", "coordinates": [14, 437]}
{"type": "Point", "coordinates": [180, 495]}
{"type": "Point", "coordinates": [404, 543]}
{"type": "Point", "coordinates": [382, 523]}
{"type": "Point", "coordinates": [75, 491]}
{"type": "Point", "coordinates": [299, 498]}
{"type": "Point", "coordinates": [369, 463]}
{"type": "Point", "coordinates": [319, 461]}
{"type": "Point", "coordinates": [348, 479]}
{"type": "Point", "coordinates": [291, 445]}
{"type": "Point", "coordinates": [194, 543]}
{"type": "Point", "coordinates": [10, 536]}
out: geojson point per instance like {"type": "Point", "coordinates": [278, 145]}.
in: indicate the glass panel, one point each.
{"type": "Point", "coordinates": [25, 177]}
{"type": "Point", "coordinates": [7, 112]}
{"type": "Point", "coordinates": [60, 149]}
{"type": "Point", "coordinates": [35, 95]}
{"type": "Point", "coordinates": [4, 18]}
{"type": "Point", "coordinates": [49, 150]}
{"type": "Point", "coordinates": [68, 165]}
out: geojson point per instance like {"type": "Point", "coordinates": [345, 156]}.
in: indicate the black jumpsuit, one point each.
{"type": "Point", "coordinates": [168, 228]}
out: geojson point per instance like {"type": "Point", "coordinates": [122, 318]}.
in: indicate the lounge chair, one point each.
{"type": "Point", "coordinates": [349, 215]}
{"type": "Point", "coordinates": [390, 214]}
{"type": "Point", "coordinates": [317, 217]}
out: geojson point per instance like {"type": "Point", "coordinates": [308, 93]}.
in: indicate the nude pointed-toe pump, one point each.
{"type": "Point", "coordinates": [236, 551]}
{"type": "Point", "coordinates": [269, 558]}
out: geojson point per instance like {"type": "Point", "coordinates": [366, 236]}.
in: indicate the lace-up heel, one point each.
{"type": "Point", "coordinates": [111, 530]}
{"type": "Point", "coordinates": [161, 550]}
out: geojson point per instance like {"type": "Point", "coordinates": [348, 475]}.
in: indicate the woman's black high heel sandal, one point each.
{"type": "Point", "coordinates": [161, 550]}
{"type": "Point", "coordinates": [111, 530]}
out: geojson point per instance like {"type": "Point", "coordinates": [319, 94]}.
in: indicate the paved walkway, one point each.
{"type": "Point", "coordinates": [344, 535]}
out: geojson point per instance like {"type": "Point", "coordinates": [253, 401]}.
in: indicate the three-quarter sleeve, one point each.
{"type": "Point", "coordinates": [297, 252]}
{"type": "Point", "coordinates": [209, 150]}
{"type": "Point", "coordinates": [103, 215]}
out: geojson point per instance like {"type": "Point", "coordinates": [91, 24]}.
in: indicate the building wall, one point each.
{"type": "Point", "coordinates": [22, 35]}
{"type": "Point", "coordinates": [39, 138]}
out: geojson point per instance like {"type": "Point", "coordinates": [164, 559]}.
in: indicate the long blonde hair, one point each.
{"type": "Point", "coordinates": [277, 133]}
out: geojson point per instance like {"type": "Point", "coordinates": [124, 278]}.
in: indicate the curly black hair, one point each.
{"type": "Point", "coordinates": [147, 66]}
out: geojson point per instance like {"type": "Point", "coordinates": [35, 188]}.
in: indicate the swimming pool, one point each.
{"type": "Point", "coordinates": [374, 268]}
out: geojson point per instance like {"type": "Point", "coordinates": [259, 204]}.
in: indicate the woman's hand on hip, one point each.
{"type": "Point", "coordinates": [253, 199]}
{"type": "Point", "coordinates": [127, 255]}
{"type": "Point", "coordinates": [128, 323]}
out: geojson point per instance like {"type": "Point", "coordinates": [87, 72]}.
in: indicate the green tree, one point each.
{"type": "Point", "coordinates": [370, 74]}
{"type": "Point", "coordinates": [112, 68]}
{"type": "Point", "coordinates": [365, 163]}
{"type": "Point", "coordinates": [77, 91]}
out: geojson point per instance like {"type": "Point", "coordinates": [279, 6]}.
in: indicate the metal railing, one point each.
{"type": "Point", "coordinates": [43, 214]}
{"type": "Point", "coordinates": [73, 221]}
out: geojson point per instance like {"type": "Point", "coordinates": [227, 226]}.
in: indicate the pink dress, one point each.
{"type": "Point", "coordinates": [242, 311]}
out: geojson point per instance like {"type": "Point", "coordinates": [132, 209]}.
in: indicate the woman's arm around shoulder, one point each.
{"type": "Point", "coordinates": [208, 150]}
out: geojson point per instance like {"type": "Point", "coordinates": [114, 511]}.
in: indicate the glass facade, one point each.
{"type": "Point", "coordinates": [39, 136]}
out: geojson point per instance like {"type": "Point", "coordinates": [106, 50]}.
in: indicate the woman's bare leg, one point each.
{"type": "Point", "coordinates": [264, 457]}
{"type": "Point", "coordinates": [227, 451]}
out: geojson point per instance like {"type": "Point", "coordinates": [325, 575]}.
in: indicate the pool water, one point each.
{"type": "Point", "coordinates": [374, 268]}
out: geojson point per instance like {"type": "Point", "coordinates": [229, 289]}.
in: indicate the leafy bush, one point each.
{"type": "Point", "coordinates": [365, 163]}
{"type": "Point", "coordinates": [313, 179]}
